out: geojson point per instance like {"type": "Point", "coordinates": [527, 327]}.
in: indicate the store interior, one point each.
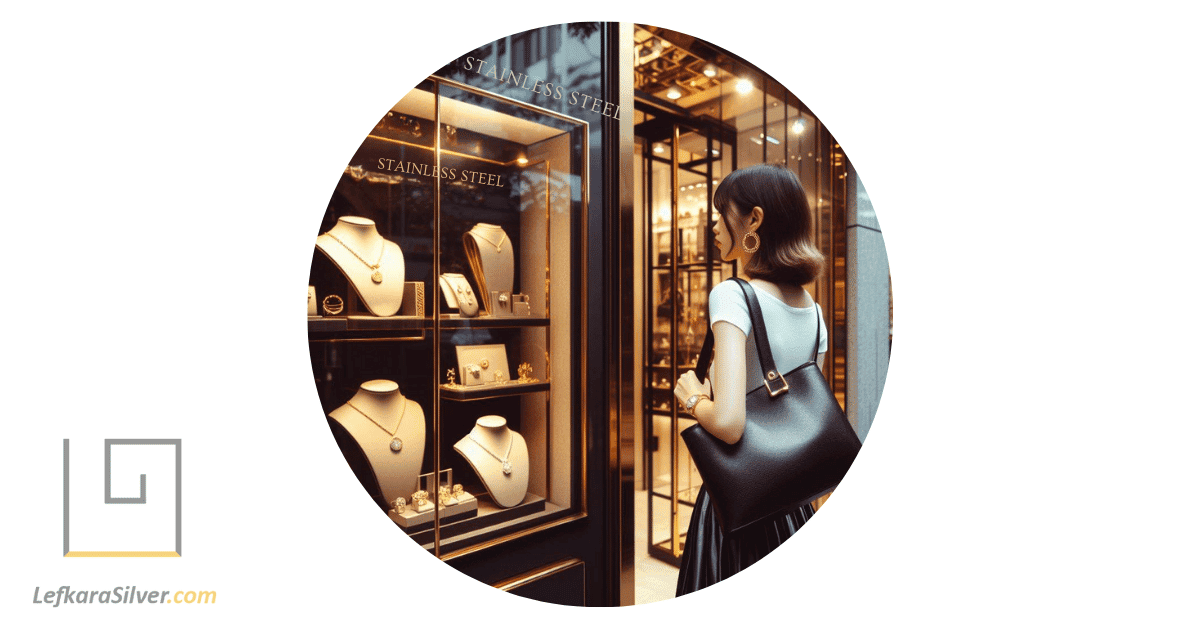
{"type": "Point", "coordinates": [700, 114]}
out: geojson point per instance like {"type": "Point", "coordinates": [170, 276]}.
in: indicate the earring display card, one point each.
{"type": "Point", "coordinates": [458, 293]}
{"type": "Point", "coordinates": [448, 289]}
{"type": "Point", "coordinates": [480, 365]}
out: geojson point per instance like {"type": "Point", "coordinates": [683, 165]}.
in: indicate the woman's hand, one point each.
{"type": "Point", "coordinates": [689, 385]}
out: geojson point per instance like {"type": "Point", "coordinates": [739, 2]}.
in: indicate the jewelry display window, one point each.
{"type": "Point", "coordinates": [682, 165]}
{"type": "Point", "coordinates": [484, 197]}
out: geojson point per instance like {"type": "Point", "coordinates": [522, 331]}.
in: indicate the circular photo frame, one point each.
{"type": "Point", "coordinates": [592, 266]}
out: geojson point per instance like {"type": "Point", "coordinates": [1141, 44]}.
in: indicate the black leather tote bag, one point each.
{"type": "Point", "coordinates": [796, 447]}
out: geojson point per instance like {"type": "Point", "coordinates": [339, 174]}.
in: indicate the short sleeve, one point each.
{"type": "Point", "coordinates": [726, 302]}
{"type": "Point", "coordinates": [823, 343]}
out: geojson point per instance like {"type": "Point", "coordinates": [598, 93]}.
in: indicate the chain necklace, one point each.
{"type": "Point", "coordinates": [503, 237]}
{"type": "Point", "coordinates": [376, 275]}
{"type": "Point", "coordinates": [397, 444]}
{"type": "Point", "coordinates": [505, 465]}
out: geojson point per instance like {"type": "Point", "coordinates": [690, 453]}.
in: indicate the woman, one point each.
{"type": "Point", "coordinates": [767, 227]}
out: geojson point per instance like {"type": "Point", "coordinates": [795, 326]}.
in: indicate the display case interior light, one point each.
{"type": "Point", "coordinates": [798, 126]}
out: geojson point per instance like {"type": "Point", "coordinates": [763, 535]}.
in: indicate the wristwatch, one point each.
{"type": "Point", "coordinates": [691, 402]}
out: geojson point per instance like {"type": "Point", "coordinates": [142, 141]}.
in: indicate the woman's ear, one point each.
{"type": "Point", "coordinates": [755, 219]}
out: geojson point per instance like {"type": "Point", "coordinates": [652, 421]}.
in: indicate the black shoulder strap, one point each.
{"type": "Point", "coordinates": [772, 378]}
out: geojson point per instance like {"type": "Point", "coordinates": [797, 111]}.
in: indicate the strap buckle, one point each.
{"type": "Point", "coordinates": [773, 377]}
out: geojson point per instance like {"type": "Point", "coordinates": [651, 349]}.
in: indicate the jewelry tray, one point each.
{"type": "Point", "coordinates": [491, 360]}
{"type": "Point", "coordinates": [417, 521]}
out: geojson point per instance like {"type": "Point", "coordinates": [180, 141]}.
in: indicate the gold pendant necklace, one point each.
{"type": "Point", "coordinates": [505, 465]}
{"type": "Point", "coordinates": [397, 444]}
{"type": "Point", "coordinates": [503, 237]}
{"type": "Point", "coordinates": [376, 275]}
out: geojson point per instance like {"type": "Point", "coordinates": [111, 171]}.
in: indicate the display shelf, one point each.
{"type": "Point", "coordinates": [680, 273]}
{"type": "Point", "coordinates": [386, 323]}
{"type": "Point", "coordinates": [459, 543]}
{"type": "Point", "coordinates": [489, 515]}
{"type": "Point", "coordinates": [326, 324]}
{"type": "Point", "coordinates": [455, 321]}
{"type": "Point", "coordinates": [367, 327]}
{"type": "Point", "coordinates": [336, 324]}
{"type": "Point", "coordinates": [491, 391]}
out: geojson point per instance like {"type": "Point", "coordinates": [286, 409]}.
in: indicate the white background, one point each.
{"type": "Point", "coordinates": [165, 171]}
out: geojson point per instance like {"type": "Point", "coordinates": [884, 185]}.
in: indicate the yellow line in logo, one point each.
{"type": "Point", "coordinates": [122, 555]}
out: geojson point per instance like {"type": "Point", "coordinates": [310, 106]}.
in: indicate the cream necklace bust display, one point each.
{"type": "Point", "coordinates": [374, 266]}
{"type": "Point", "coordinates": [499, 457]}
{"type": "Point", "coordinates": [490, 254]}
{"type": "Point", "coordinates": [390, 429]}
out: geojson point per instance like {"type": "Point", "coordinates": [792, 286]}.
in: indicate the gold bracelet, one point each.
{"type": "Point", "coordinates": [332, 305]}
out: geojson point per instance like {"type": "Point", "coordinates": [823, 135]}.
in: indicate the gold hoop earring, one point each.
{"type": "Point", "coordinates": [747, 247]}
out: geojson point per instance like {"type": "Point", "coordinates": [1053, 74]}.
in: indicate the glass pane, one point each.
{"type": "Point", "coordinates": [369, 271]}
{"type": "Point", "coordinates": [510, 209]}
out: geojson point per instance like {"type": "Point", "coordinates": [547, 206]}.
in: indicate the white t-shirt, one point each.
{"type": "Point", "coordinates": [790, 330]}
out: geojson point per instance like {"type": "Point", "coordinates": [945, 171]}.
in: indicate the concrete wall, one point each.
{"type": "Point", "coordinates": [868, 324]}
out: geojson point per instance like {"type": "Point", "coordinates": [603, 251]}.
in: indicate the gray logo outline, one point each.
{"type": "Point", "coordinates": [109, 499]}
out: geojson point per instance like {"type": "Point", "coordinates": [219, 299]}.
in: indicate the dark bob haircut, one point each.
{"type": "Point", "coordinates": [787, 254]}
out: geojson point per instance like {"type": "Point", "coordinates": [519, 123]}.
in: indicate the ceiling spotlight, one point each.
{"type": "Point", "coordinates": [744, 86]}
{"type": "Point", "coordinates": [716, 153]}
{"type": "Point", "coordinates": [658, 148]}
{"type": "Point", "coordinates": [522, 160]}
{"type": "Point", "coordinates": [709, 70]}
{"type": "Point", "coordinates": [798, 126]}
{"type": "Point", "coordinates": [674, 93]}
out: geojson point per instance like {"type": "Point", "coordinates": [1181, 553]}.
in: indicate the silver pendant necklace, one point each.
{"type": "Point", "coordinates": [376, 274]}
{"type": "Point", "coordinates": [397, 444]}
{"type": "Point", "coordinates": [505, 465]}
{"type": "Point", "coordinates": [499, 246]}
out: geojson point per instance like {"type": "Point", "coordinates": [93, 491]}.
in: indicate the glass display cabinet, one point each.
{"type": "Point", "coordinates": [446, 334]}
{"type": "Point", "coordinates": [683, 163]}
